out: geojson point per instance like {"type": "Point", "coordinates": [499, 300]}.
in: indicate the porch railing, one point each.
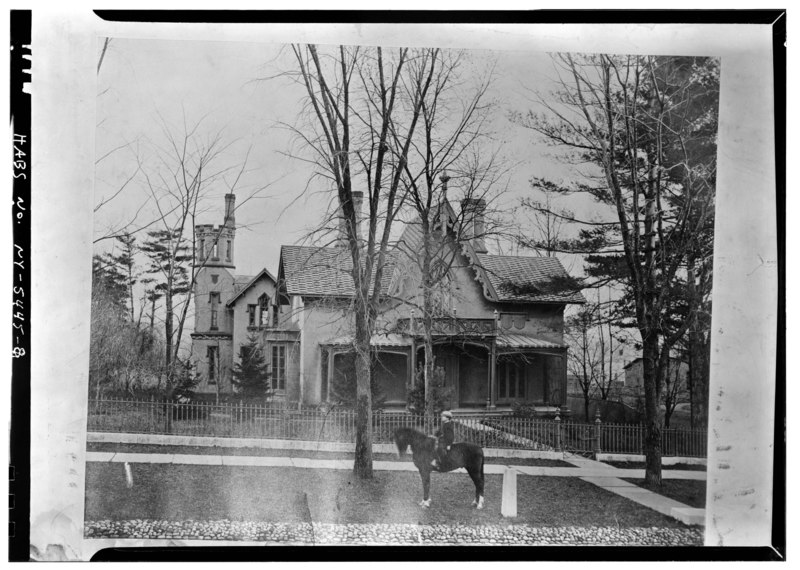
{"type": "Point", "coordinates": [270, 421]}
{"type": "Point", "coordinates": [449, 326]}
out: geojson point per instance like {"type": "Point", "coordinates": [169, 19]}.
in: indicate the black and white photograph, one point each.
{"type": "Point", "coordinates": [389, 286]}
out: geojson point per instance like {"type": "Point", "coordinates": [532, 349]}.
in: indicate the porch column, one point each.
{"type": "Point", "coordinates": [329, 373]}
{"type": "Point", "coordinates": [562, 380]}
{"type": "Point", "coordinates": [413, 363]}
{"type": "Point", "coordinates": [491, 396]}
{"type": "Point", "coordinates": [548, 372]}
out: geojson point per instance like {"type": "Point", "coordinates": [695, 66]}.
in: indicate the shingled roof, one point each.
{"type": "Point", "coordinates": [241, 281]}
{"type": "Point", "coordinates": [509, 279]}
{"type": "Point", "coordinates": [322, 272]}
{"type": "Point", "coordinates": [519, 279]}
{"type": "Point", "coordinates": [240, 285]}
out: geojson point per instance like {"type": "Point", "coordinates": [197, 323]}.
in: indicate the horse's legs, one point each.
{"type": "Point", "coordinates": [476, 474]}
{"type": "Point", "coordinates": [426, 487]}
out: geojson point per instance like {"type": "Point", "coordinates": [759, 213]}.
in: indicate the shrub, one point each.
{"type": "Point", "coordinates": [523, 410]}
{"type": "Point", "coordinates": [343, 386]}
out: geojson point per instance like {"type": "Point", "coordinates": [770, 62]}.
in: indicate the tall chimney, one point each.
{"type": "Point", "coordinates": [473, 211]}
{"type": "Point", "coordinates": [358, 200]}
{"type": "Point", "coordinates": [230, 206]}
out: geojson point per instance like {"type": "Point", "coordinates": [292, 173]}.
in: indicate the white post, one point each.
{"type": "Point", "coordinates": [508, 507]}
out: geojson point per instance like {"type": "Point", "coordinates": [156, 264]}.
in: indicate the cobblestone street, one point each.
{"type": "Point", "coordinates": [395, 534]}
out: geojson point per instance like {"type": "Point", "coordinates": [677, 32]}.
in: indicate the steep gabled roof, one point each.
{"type": "Point", "coordinates": [245, 285]}
{"type": "Point", "coordinates": [323, 272]}
{"type": "Point", "coordinates": [240, 281]}
{"type": "Point", "coordinates": [517, 279]}
{"type": "Point", "coordinates": [503, 278]}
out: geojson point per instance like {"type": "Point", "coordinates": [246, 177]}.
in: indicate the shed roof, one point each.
{"type": "Point", "coordinates": [378, 340]}
{"type": "Point", "coordinates": [521, 341]}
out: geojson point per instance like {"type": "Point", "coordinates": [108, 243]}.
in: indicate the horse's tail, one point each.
{"type": "Point", "coordinates": [401, 442]}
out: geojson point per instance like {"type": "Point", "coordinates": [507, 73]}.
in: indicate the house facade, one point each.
{"type": "Point", "coordinates": [498, 329]}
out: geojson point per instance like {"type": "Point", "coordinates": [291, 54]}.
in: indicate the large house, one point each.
{"type": "Point", "coordinates": [498, 333]}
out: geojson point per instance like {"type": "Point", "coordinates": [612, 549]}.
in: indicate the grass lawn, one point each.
{"type": "Point", "coordinates": [260, 452]}
{"type": "Point", "coordinates": [278, 494]}
{"type": "Point", "coordinates": [686, 491]}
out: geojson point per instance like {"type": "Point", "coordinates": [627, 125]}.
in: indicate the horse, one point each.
{"type": "Point", "coordinates": [466, 455]}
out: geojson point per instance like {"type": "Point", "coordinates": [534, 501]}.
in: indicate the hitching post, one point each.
{"type": "Point", "coordinates": [558, 429]}
{"type": "Point", "coordinates": [597, 433]}
{"type": "Point", "coordinates": [508, 507]}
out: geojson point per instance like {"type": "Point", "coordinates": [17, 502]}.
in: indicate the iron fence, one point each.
{"type": "Point", "coordinates": [277, 421]}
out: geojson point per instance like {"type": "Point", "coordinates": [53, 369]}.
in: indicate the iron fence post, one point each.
{"type": "Point", "coordinates": [597, 424]}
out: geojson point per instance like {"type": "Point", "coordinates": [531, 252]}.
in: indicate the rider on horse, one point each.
{"type": "Point", "coordinates": [444, 438]}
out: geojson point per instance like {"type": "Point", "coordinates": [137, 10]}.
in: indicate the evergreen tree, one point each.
{"type": "Point", "coordinates": [124, 263]}
{"type": "Point", "coordinates": [344, 384]}
{"type": "Point", "coordinates": [643, 130]}
{"type": "Point", "coordinates": [251, 375]}
{"type": "Point", "coordinates": [169, 263]}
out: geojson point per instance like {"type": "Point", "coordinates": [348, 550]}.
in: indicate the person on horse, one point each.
{"type": "Point", "coordinates": [444, 439]}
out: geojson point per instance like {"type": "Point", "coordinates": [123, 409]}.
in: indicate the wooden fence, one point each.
{"type": "Point", "coordinates": [272, 421]}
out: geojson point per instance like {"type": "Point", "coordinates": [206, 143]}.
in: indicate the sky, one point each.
{"type": "Point", "coordinates": [238, 88]}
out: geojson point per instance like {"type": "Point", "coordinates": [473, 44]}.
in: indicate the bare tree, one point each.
{"type": "Point", "coordinates": [451, 147]}
{"type": "Point", "coordinates": [179, 176]}
{"type": "Point", "coordinates": [675, 390]}
{"type": "Point", "coordinates": [593, 343]}
{"type": "Point", "coordinates": [363, 109]}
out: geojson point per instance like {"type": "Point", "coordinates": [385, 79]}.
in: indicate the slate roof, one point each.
{"type": "Point", "coordinates": [510, 279]}
{"type": "Point", "coordinates": [315, 271]}
{"type": "Point", "coordinates": [519, 279]}
{"type": "Point", "coordinates": [241, 281]}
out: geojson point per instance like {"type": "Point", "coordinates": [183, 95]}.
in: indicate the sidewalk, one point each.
{"type": "Point", "coordinates": [604, 476]}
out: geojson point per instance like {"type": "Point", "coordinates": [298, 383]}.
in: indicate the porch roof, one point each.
{"type": "Point", "coordinates": [379, 340]}
{"type": "Point", "coordinates": [514, 340]}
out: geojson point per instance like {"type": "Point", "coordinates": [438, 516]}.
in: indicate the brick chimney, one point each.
{"type": "Point", "coordinates": [473, 211]}
{"type": "Point", "coordinates": [358, 200]}
{"type": "Point", "coordinates": [230, 207]}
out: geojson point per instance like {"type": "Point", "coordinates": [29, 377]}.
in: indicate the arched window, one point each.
{"type": "Point", "coordinates": [263, 310]}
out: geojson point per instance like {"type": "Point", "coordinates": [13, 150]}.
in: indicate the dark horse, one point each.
{"type": "Point", "coordinates": [466, 455]}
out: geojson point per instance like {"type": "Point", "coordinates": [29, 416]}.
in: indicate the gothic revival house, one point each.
{"type": "Point", "coordinates": [498, 331]}
{"type": "Point", "coordinates": [230, 307]}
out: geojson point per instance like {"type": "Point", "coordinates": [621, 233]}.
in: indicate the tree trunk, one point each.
{"type": "Point", "coordinates": [362, 466]}
{"type": "Point", "coordinates": [586, 406]}
{"type": "Point", "coordinates": [652, 443]}
{"type": "Point", "coordinates": [427, 315]}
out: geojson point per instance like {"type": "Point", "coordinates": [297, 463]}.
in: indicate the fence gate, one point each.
{"type": "Point", "coordinates": [578, 439]}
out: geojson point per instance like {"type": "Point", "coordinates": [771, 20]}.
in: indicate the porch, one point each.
{"type": "Point", "coordinates": [485, 369]}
